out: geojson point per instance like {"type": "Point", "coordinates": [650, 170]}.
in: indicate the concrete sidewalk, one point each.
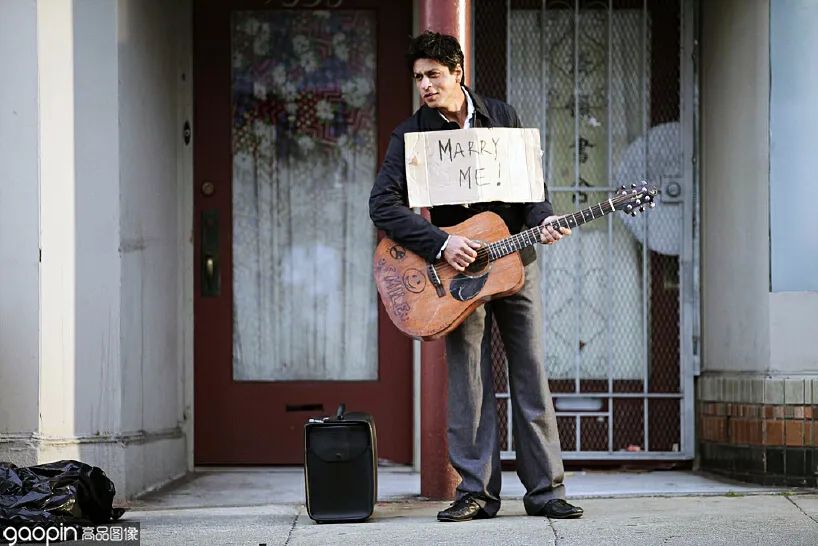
{"type": "Point", "coordinates": [266, 507]}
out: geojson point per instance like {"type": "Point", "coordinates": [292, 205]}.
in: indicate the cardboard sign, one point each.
{"type": "Point", "coordinates": [474, 166]}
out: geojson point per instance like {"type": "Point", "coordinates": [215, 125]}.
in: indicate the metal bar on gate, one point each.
{"type": "Point", "coordinates": [608, 456]}
{"type": "Point", "coordinates": [578, 435]}
{"type": "Point", "coordinates": [689, 115]}
{"type": "Point", "coordinates": [609, 220]}
{"type": "Point", "coordinates": [685, 254]}
{"type": "Point", "coordinates": [582, 414]}
{"type": "Point", "coordinates": [508, 52]}
{"type": "Point", "coordinates": [645, 248]}
{"type": "Point", "coordinates": [507, 395]}
{"type": "Point", "coordinates": [596, 189]}
{"type": "Point", "coordinates": [544, 83]}
{"type": "Point", "coordinates": [578, 246]}
{"type": "Point", "coordinates": [509, 428]}
{"type": "Point", "coordinates": [618, 395]}
{"type": "Point", "coordinates": [622, 455]}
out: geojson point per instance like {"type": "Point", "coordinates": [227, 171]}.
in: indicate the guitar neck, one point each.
{"type": "Point", "coordinates": [530, 237]}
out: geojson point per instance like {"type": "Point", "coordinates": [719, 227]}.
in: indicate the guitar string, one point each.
{"type": "Point", "coordinates": [515, 239]}
{"type": "Point", "coordinates": [481, 252]}
{"type": "Point", "coordinates": [446, 267]}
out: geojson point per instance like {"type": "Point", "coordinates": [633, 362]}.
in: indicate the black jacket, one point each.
{"type": "Point", "coordinates": [388, 201]}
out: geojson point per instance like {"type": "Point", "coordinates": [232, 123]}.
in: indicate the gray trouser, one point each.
{"type": "Point", "coordinates": [474, 447]}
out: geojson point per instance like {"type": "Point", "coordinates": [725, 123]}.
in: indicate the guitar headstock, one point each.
{"type": "Point", "coordinates": [635, 199]}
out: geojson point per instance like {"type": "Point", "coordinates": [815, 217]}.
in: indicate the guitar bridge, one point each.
{"type": "Point", "coordinates": [431, 272]}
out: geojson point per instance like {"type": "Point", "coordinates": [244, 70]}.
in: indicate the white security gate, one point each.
{"type": "Point", "coordinates": [610, 84]}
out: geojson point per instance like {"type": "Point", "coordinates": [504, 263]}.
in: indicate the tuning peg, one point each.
{"type": "Point", "coordinates": [633, 214]}
{"type": "Point", "coordinates": [633, 185]}
{"type": "Point", "coordinates": [653, 205]}
{"type": "Point", "coordinates": [648, 198]}
{"type": "Point", "coordinates": [628, 208]}
{"type": "Point", "coordinates": [642, 209]}
{"type": "Point", "coordinates": [622, 187]}
{"type": "Point", "coordinates": [638, 201]}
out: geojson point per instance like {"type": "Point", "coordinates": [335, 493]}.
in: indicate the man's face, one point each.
{"type": "Point", "coordinates": [438, 86]}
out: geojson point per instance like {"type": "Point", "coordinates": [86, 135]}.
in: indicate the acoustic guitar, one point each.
{"type": "Point", "coordinates": [429, 300]}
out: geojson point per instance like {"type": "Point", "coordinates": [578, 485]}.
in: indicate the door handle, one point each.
{"type": "Point", "coordinates": [210, 271]}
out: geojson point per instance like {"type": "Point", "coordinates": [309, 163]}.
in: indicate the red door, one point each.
{"type": "Point", "coordinates": [294, 104]}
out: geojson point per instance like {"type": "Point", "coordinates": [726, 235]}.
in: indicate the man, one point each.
{"type": "Point", "coordinates": [436, 62]}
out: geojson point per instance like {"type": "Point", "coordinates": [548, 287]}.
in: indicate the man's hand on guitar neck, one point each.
{"type": "Point", "coordinates": [460, 252]}
{"type": "Point", "coordinates": [549, 235]}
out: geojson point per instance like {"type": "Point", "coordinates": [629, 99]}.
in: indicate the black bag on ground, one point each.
{"type": "Point", "coordinates": [60, 492]}
{"type": "Point", "coordinates": [341, 467]}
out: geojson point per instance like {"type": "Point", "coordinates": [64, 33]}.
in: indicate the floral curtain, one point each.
{"type": "Point", "coordinates": [304, 145]}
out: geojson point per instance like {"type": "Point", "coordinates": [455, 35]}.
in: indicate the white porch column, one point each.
{"type": "Point", "coordinates": [80, 390]}
{"type": "Point", "coordinates": [80, 362]}
{"type": "Point", "coordinates": [55, 58]}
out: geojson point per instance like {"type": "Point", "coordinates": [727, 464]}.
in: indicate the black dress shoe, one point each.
{"type": "Point", "coordinates": [560, 509]}
{"type": "Point", "coordinates": [463, 509]}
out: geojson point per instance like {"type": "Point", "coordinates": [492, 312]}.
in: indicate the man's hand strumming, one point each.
{"type": "Point", "coordinates": [460, 252]}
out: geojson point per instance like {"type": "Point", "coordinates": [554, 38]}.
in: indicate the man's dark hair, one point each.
{"type": "Point", "coordinates": [442, 48]}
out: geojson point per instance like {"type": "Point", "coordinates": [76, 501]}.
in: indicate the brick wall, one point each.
{"type": "Point", "coordinates": [759, 429]}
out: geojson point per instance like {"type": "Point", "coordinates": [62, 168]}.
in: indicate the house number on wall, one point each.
{"type": "Point", "coordinates": [310, 3]}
